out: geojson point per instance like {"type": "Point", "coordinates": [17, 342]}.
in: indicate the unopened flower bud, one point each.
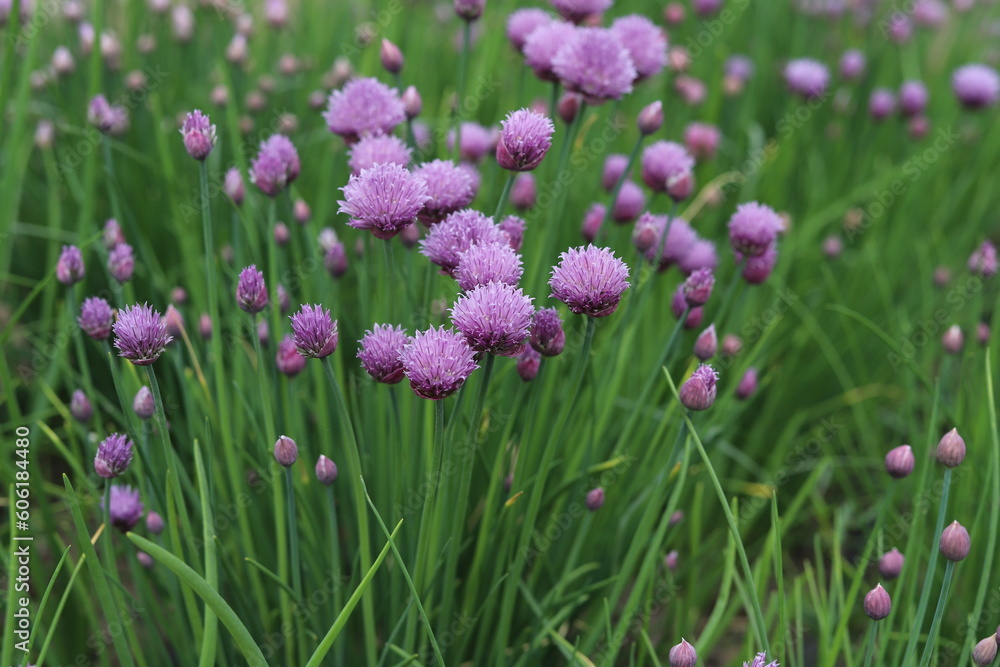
{"type": "Point", "coordinates": [951, 449]}
{"type": "Point", "coordinates": [285, 451]}
{"type": "Point", "coordinates": [955, 542]}
{"type": "Point", "coordinates": [877, 603]}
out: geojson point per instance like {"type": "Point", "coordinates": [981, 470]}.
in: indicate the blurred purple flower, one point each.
{"type": "Point", "coordinates": [364, 106]}
{"type": "Point", "coordinates": [593, 62]}
{"type": "Point", "coordinates": [95, 318]}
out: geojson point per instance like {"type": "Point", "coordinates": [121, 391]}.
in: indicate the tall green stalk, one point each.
{"type": "Point", "coordinates": [749, 580]}
{"type": "Point", "coordinates": [360, 506]}
{"type": "Point", "coordinates": [552, 444]}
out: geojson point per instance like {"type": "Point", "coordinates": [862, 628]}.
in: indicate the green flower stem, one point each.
{"type": "Point", "coordinates": [338, 579]}
{"type": "Point", "coordinates": [463, 68]}
{"type": "Point", "coordinates": [949, 572]}
{"type": "Point", "coordinates": [918, 620]}
{"type": "Point", "coordinates": [751, 587]}
{"type": "Point", "coordinates": [293, 534]}
{"type": "Point", "coordinates": [618, 187]}
{"type": "Point", "coordinates": [503, 197]}
{"type": "Point", "coordinates": [871, 643]}
{"type": "Point", "coordinates": [425, 563]}
{"type": "Point", "coordinates": [360, 507]}
{"type": "Point", "coordinates": [460, 503]}
{"type": "Point", "coordinates": [535, 498]}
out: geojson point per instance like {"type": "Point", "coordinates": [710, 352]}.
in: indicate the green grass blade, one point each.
{"type": "Point", "coordinates": [338, 624]}
{"type": "Point", "coordinates": [244, 641]}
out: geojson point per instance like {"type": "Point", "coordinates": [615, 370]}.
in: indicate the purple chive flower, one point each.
{"type": "Point", "coordinates": [102, 115]}
{"type": "Point", "coordinates": [683, 655]}
{"type": "Point", "coordinates": [806, 77]}
{"type": "Point", "coordinates": [592, 221]}
{"type": "Point", "coordinates": [378, 149]}
{"type": "Point", "coordinates": [955, 543]}
{"type": "Point", "coordinates": [882, 103]}
{"type": "Point", "coordinates": [852, 64]}
{"type": "Point", "coordinates": [523, 192]}
{"type": "Point", "coordinates": [951, 449]}
{"type": "Point", "coordinates": [476, 142]}
{"type": "Point", "coordinates": [384, 199]}
{"type": "Point", "coordinates": [125, 508]}
{"type": "Point", "coordinates": [671, 559]}
{"type": "Point", "coordinates": [757, 269]}
{"type": "Point", "coordinates": [154, 523]}
{"type": "Point", "coordinates": [522, 22]}
{"type": "Point", "coordinates": [80, 407]}
{"type": "Point", "coordinates": [666, 167]}
{"type": "Point", "coordinates": [976, 86]}
{"type": "Point", "coordinates": [121, 263]}
{"type": "Point", "coordinates": [112, 234]}
{"type": "Point", "coordinates": [315, 332]}
{"type": "Point", "coordinates": [69, 268]}
{"type": "Point", "coordinates": [680, 239]}
{"type": "Point", "coordinates": [143, 404]}
{"type": "Point", "coordinates": [251, 292]}
{"type": "Point", "coordinates": [449, 187]}
{"type": "Point", "coordinates": [595, 64]}
{"type": "Point", "coordinates": [678, 306]}
{"type": "Point", "coordinates": [446, 241]}
{"type": "Point", "coordinates": [528, 364]}
{"type": "Point", "coordinates": [748, 384]}
{"type": "Point", "coordinates": [140, 334]}
{"type": "Point", "coordinates": [913, 97]}
{"type": "Point", "coordinates": [513, 227]}
{"type": "Point", "coordinates": [578, 10]}
{"type": "Point", "coordinates": [650, 118]}
{"type": "Point", "coordinates": [233, 185]}
{"type": "Point", "coordinates": [494, 318]}
{"type": "Point", "coordinates": [753, 229]}
{"type": "Point", "coordinates": [205, 326]}
{"type": "Point", "coordinates": [629, 203]}
{"type": "Point", "coordinates": [114, 455]}
{"type": "Point", "coordinates": [698, 393]}
{"type": "Point", "coordinates": [707, 343]}
{"type": "Point", "coordinates": [985, 652]}
{"type": "Point", "coordinates": [412, 106]}
{"type": "Point", "coordinates": [645, 43]}
{"type": "Point", "coordinates": [614, 167]}
{"type": "Point", "coordinates": [953, 339]}
{"type": "Point", "coordinates": [739, 67]}
{"type": "Point", "coordinates": [326, 470]}
{"type": "Point", "coordinates": [287, 358]}
{"type": "Point", "coordinates": [379, 353]}
{"type": "Point", "coordinates": [701, 140]}
{"type": "Point", "coordinates": [364, 106]}
{"type": "Point", "coordinates": [590, 280]}
{"type": "Point", "coordinates": [199, 135]}
{"type": "Point", "coordinates": [95, 318]}
{"type": "Point", "coordinates": [391, 57]}
{"type": "Point", "coordinates": [437, 362]}
{"type": "Point", "coordinates": [595, 499]}
{"type": "Point", "coordinates": [174, 322]}
{"type": "Point", "coordinates": [699, 255]}
{"type": "Point", "coordinates": [285, 451]}
{"type": "Point", "coordinates": [524, 140]}
{"type": "Point", "coordinates": [899, 461]}
{"type": "Point", "coordinates": [276, 165]}
{"type": "Point", "coordinates": [890, 565]}
{"type": "Point", "coordinates": [488, 262]}
{"type": "Point", "coordinates": [335, 259]}
{"type": "Point", "coordinates": [759, 661]}
{"type": "Point", "coordinates": [547, 335]}
{"type": "Point", "coordinates": [469, 10]}
{"type": "Point", "coordinates": [698, 287]}
{"type": "Point", "coordinates": [542, 45]}
{"type": "Point", "coordinates": [983, 261]}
